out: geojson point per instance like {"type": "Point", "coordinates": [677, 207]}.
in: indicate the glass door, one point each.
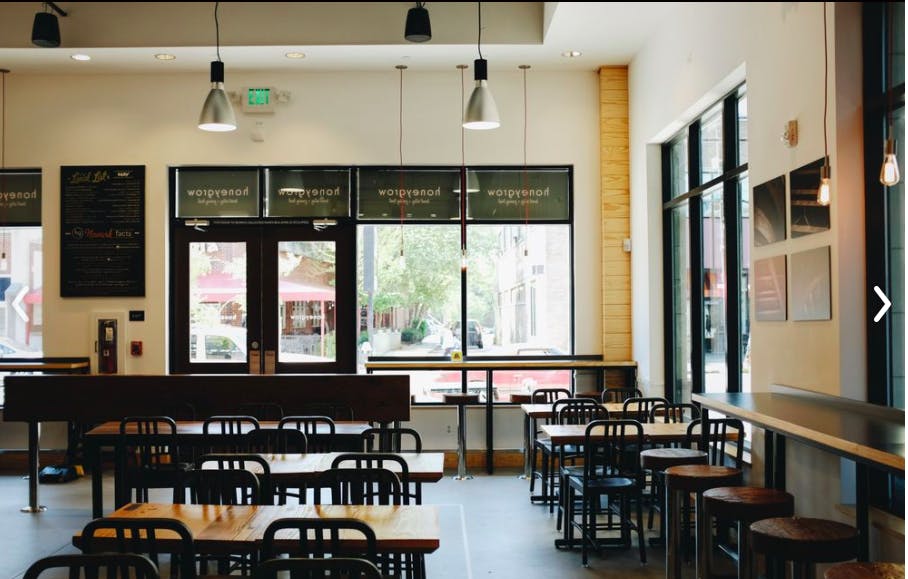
{"type": "Point", "coordinates": [263, 299]}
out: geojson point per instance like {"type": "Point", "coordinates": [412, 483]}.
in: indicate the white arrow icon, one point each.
{"type": "Point", "coordinates": [17, 303]}
{"type": "Point", "coordinates": [886, 304]}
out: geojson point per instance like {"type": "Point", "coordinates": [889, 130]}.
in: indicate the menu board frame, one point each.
{"type": "Point", "coordinates": [102, 231]}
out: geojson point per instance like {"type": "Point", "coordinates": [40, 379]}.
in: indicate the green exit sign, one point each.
{"type": "Point", "coordinates": [258, 100]}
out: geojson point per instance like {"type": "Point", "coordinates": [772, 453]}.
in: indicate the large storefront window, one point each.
{"type": "Point", "coordinates": [707, 259]}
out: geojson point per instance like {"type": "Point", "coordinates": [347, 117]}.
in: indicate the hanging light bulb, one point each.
{"type": "Point", "coordinates": [823, 193]}
{"type": "Point", "coordinates": [889, 172]}
{"type": "Point", "coordinates": [217, 112]}
{"type": "Point", "coordinates": [481, 113]}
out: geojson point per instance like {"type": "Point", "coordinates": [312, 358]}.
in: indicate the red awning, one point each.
{"type": "Point", "coordinates": [222, 287]}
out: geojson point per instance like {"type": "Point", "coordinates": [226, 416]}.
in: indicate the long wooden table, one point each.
{"type": "Point", "coordinates": [218, 529]}
{"type": "Point", "coordinates": [91, 399]}
{"type": "Point", "coordinates": [872, 436]}
{"type": "Point", "coordinates": [347, 435]}
{"type": "Point", "coordinates": [291, 468]}
{"type": "Point", "coordinates": [490, 366]}
{"type": "Point", "coordinates": [657, 432]}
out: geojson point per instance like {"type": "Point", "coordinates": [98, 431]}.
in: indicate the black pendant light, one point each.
{"type": "Point", "coordinates": [481, 112]}
{"type": "Point", "coordinates": [418, 28]}
{"type": "Point", "coordinates": [46, 27]}
{"type": "Point", "coordinates": [217, 112]}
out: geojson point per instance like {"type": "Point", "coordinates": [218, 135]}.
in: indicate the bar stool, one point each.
{"type": "Point", "coordinates": [461, 400]}
{"type": "Point", "coordinates": [804, 541]}
{"type": "Point", "coordinates": [744, 505]}
{"type": "Point", "coordinates": [691, 478]}
{"type": "Point", "coordinates": [855, 570]}
{"type": "Point", "coordinates": [659, 459]}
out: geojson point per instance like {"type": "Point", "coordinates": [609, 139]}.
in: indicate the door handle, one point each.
{"type": "Point", "coordinates": [270, 361]}
{"type": "Point", "coordinates": [255, 358]}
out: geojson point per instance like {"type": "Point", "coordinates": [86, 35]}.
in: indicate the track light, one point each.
{"type": "Point", "coordinates": [418, 28]}
{"type": "Point", "coordinates": [46, 27]}
{"type": "Point", "coordinates": [481, 113]}
{"type": "Point", "coordinates": [217, 112]}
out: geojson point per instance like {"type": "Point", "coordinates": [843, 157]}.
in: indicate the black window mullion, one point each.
{"type": "Point", "coordinates": [696, 294]}
{"type": "Point", "coordinates": [668, 317]}
{"type": "Point", "coordinates": [731, 200]}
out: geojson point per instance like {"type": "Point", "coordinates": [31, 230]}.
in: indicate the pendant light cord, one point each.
{"type": "Point", "coordinates": [463, 168]}
{"type": "Point", "coordinates": [479, 36]}
{"type": "Point", "coordinates": [889, 58]}
{"type": "Point", "coordinates": [825, 88]}
{"type": "Point", "coordinates": [526, 176]}
{"type": "Point", "coordinates": [3, 139]}
{"type": "Point", "coordinates": [217, 31]}
{"type": "Point", "coordinates": [400, 152]}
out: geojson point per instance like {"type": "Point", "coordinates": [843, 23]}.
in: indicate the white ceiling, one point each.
{"type": "Point", "coordinates": [124, 36]}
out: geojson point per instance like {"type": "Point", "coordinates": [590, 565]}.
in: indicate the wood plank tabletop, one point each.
{"type": "Point", "coordinates": [217, 528]}
{"type": "Point", "coordinates": [42, 366]}
{"type": "Point", "coordinates": [662, 432]}
{"type": "Point", "coordinates": [422, 467]}
{"type": "Point", "coordinates": [191, 428]}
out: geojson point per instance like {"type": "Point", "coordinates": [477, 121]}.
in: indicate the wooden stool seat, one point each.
{"type": "Point", "coordinates": [866, 571]}
{"type": "Point", "coordinates": [748, 504]}
{"type": "Point", "coordinates": [662, 458]}
{"type": "Point", "coordinates": [805, 540]}
{"type": "Point", "coordinates": [696, 478]}
{"type": "Point", "coordinates": [461, 399]}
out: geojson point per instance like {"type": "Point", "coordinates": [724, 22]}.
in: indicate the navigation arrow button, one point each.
{"type": "Point", "coordinates": [886, 304]}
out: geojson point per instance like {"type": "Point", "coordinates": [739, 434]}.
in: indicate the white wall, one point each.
{"type": "Point", "coordinates": [778, 49]}
{"type": "Point", "coordinates": [333, 118]}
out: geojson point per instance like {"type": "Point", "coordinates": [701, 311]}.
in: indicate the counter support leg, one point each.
{"type": "Point", "coordinates": [462, 443]}
{"type": "Point", "coordinates": [34, 446]}
{"type": "Point", "coordinates": [862, 505]}
{"type": "Point", "coordinates": [527, 447]}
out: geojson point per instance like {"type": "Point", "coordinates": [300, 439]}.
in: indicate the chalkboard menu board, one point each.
{"type": "Point", "coordinates": [102, 226]}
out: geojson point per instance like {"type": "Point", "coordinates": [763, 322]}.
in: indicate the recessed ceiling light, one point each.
{"type": "Point", "coordinates": [295, 55]}
{"type": "Point", "coordinates": [165, 56]}
{"type": "Point", "coordinates": [571, 53]}
{"type": "Point", "coordinates": [80, 57]}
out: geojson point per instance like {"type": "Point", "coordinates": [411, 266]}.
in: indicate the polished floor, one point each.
{"type": "Point", "coordinates": [489, 529]}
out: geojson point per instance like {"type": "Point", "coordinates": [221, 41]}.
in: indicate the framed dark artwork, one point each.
{"type": "Point", "coordinates": [770, 293]}
{"type": "Point", "coordinates": [807, 215]}
{"type": "Point", "coordinates": [811, 288]}
{"type": "Point", "coordinates": [769, 212]}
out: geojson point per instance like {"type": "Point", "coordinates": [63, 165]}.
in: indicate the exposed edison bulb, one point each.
{"type": "Point", "coordinates": [823, 193]}
{"type": "Point", "coordinates": [463, 260]}
{"type": "Point", "coordinates": [889, 172]}
{"type": "Point", "coordinates": [401, 260]}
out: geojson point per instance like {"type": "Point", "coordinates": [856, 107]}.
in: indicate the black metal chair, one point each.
{"type": "Point", "coordinates": [236, 489]}
{"type": "Point", "coordinates": [390, 439]}
{"type": "Point", "coordinates": [412, 492]}
{"type": "Point", "coordinates": [148, 457]}
{"type": "Point", "coordinates": [611, 469]}
{"type": "Point", "coordinates": [726, 441]}
{"type": "Point", "coordinates": [541, 443]}
{"type": "Point", "coordinates": [317, 539]}
{"type": "Point", "coordinates": [346, 567]}
{"type": "Point", "coordinates": [96, 566]}
{"type": "Point", "coordinates": [319, 430]}
{"type": "Point", "coordinates": [620, 394]}
{"type": "Point", "coordinates": [227, 430]}
{"type": "Point", "coordinates": [347, 486]}
{"type": "Point", "coordinates": [673, 412]}
{"type": "Point", "coordinates": [141, 536]}
{"type": "Point", "coordinates": [640, 408]}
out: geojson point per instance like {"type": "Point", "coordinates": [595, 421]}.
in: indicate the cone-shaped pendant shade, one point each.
{"type": "Point", "coordinates": [217, 112]}
{"type": "Point", "coordinates": [481, 113]}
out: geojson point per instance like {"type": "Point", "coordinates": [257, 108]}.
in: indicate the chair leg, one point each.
{"type": "Point", "coordinates": [551, 497]}
{"type": "Point", "coordinates": [584, 529]}
{"type": "Point", "coordinates": [533, 468]}
{"type": "Point", "coordinates": [640, 538]}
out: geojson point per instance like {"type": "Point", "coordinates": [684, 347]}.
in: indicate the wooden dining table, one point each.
{"type": "Point", "coordinates": [347, 435]}
{"type": "Point", "coordinates": [655, 432]}
{"type": "Point", "coordinates": [294, 468]}
{"type": "Point", "coordinates": [218, 529]}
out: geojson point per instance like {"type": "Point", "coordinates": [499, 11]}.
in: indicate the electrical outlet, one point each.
{"type": "Point", "coordinates": [449, 429]}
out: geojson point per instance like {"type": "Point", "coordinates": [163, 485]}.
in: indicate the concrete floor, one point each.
{"type": "Point", "coordinates": [489, 528]}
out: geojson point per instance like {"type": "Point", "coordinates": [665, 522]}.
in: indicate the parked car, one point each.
{"type": "Point", "coordinates": [474, 333]}
{"type": "Point", "coordinates": [220, 343]}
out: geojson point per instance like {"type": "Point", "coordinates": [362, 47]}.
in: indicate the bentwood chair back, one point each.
{"type": "Point", "coordinates": [96, 566]}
